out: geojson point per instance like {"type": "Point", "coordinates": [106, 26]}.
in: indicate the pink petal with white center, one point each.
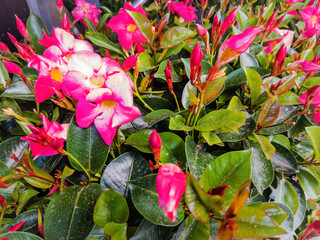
{"type": "Point", "coordinates": [124, 115]}
{"type": "Point", "coordinates": [86, 113]}
{"type": "Point", "coordinates": [40, 63]}
{"type": "Point", "coordinates": [53, 53]}
{"type": "Point", "coordinates": [85, 62]}
{"type": "Point", "coordinates": [99, 95]}
{"type": "Point", "coordinates": [55, 130]}
{"type": "Point", "coordinates": [103, 126]}
{"type": "Point", "coordinates": [65, 40]}
{"type": "Point", "coordinates": [76, 84]}
{"type": "Point", "coordinates": [81, 45]}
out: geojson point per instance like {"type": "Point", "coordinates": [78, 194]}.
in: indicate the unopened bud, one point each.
{"type": "Point", "coordinates": [204, 35]}
{"type": "Point", "coordinates": [168, 74]}
{"type": "Point", "coordinates": [129, 63]}
{"type": "Point", "coordinates": [65, 23]}
{"type": "Point", "coordinates": [22, 28]}
{"type": "Point", "coordinates": [136, 70]}
{"type": "Point", "coordinates": [195, 61]}
{"type": "Point", "coordinates": [155, 143]}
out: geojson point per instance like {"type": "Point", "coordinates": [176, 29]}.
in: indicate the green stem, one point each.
{"type": "Point", "coordinates": [75, 160]}
{"type": "Point", "coordinates": [140, 98]}
{"type": "Point", "coordinates": [175, 98]}
{"type": "Point", "coordinates": [162, 55]}
{"type": "Point", "coordinates": [38, 108]}
{"type": "Point", "coordinates": [2, 214]}
{"type": "Point", "coordinates": [199, 109]}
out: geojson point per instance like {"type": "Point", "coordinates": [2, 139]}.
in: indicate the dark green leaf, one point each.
{"type": "Point", "coordinates": [172, 149]}
{"type": "Point", "coordinates": [35, 28]}
{"type": "Point", "coordinates": [97, 233]}
{"type": "Point", "coordinates": [145, 199]}
{"type": "Point", "coordinates": [24, 197]}
{"type": "Point", "coordinates": [175, 35]}
{"type": "Point", "coordinates": [177, 122]}
{"type": "Point", "coordinates": [117, 231]}
{"type": "Point", "coordinates": [87, 146]}
{"type": "Point", "coordinates": [70, 212]}
{"type": "Point", "coordinates": [157, 116]}
{"type": "Point", "coordinates": [12, 145]}
{"type": "Point", "coordinates": [18, 90]}
{"type": "Point", "coordinates": [90, 27]}
{"type": "Point", "coordinates": [283, 160]}
{"type": "Point", "coordinates": [287, 195]}
{"type": "Point", "coordinates": [308, 182]}
{"type": "Point", "coordinates": [248, 60]}
{"type": "Point", "coordinates": [110, 207]}
{"type": "Point", "coordinates": [9, 102]}
{"type": "Point", "coordinates": [139, 140]}
{"type": "Point", "coordinates": [20, 236]}
{"type": "Point", "coordinates": [102, 41]}
{"type": "Point", "coordinates": [147, 230]}
{"type": "Point", "coordinates": [128, 166]}
{"type": "Point", "coordinates": [191, 229]}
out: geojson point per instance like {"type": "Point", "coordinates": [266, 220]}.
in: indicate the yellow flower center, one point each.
{"type": "Point", "coordinates": [97, 81]}
{"type": "Point", "coordinates": [56, 74]}
{"type": "Point", "coordinates": [109, 103]}
{"type": "Point", "coordinates": [131, 27]}
{"type": "Point", "coordinates": [314, 19]}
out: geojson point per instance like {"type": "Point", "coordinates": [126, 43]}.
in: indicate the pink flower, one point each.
{"type": "Point", "coordinates": [286, 39]}
{"type": "Point", "coordinates": [126, 28]}
{"type": "Point", "coordinates": [16, 227]}
{"type": "Point", "coordinates": [171, 183]}
{"type": "Point", "coordinates": [195, 61]}
{"type": "Point", "coordinates": [104, 92]}
{"type": "Point", "coordinates": [130, 62]}
{"type": "Point", "coordinates": [312, 96]}
{"type": "Point", "coordinates": [155, 142]}
{"type": "Point", "coordinates": [312, 231]}
{"type": "Point", "coordinates": [48, 140]}
{"type": "Point", "coordinates": [183, 10]}
{"type": "Point", "coordinates": [86, 10]}
{"type": "Point", "coordinates": [22, 28]}
{"type": "Point", "coordinates": [303, 66]}
{"type": "Point", "coordinates": [311, 17]}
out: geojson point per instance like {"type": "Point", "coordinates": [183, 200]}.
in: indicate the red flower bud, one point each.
{"type": "Point", "coordinates": [12, 38]}
{"type": "Point", "coordinates": [155, 142]}
{"type": "Point", "coordinates": [171, 183]}
{"type": "Point", "coordinates": [228, 21]}
{"type": "Point", "coordinates": [65, 23]}
{"type": "Point", "coordinates": [16, 227]}
{"type": "Point", "coordinates": [59, 4]}
{"type": "Point", "coordinates": [22, 28]}
{"type": "Point", "coordinates": [195, 61]}
{"type": "Point", "coordinates": [204, 35]}
{"type": "Point", "coordinates": [130, 62]}
{"type": "Point", "coordinates": [168, 74]}
{"type": "Point", "coordinates": [12, 68]}
{"type": "Point", "coordinates": [4, 47]}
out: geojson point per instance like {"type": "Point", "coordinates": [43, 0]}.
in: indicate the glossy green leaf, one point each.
{"type": "Point", "coordinates": [172, 149]}
{"type": "Point", "coordinates": [212, 138]}
{"type": "Point", "coordinates": [261, 169]}
{"type": "Point", "coordinates": [24, 197]}
{"type": "Point", "coordinates": [175, 35]}
{"type": "Point", "coordinates": [314, 133]}
{"type": "Point", "coordinates": [39, 183]}
{"type": "Point", "coordinates": [186, 95]}
{"type": "Point", "coordinates": [191, 229]}
{"type": "Point", "coordinates": [242, 18]}
{"type": "Point", "coordinates": [157, 116]}
{"type": "Point", "coordinates": [20, 236]}
{"type": "Point", "coordinates": [18, 90]}
{"type": "Point", "coordinates": [177, 123]}
{"type": "Point", "coordinates": [248, 60]}
{"type": "Point", "coordinates": [199, 202]}
{"type": "Point", "coordinates": [174, 50]}
{"type": "Point", "coordinates": [160, 73]}
{"type": "Point", "coordinates": [282, 140]}
{"type": "Point", "coordinates": [197, 159]}
{"type": "Point", "coordinates": [4, 76]}
{"type": "Point", "coordinates": [308, 182]}
{"type": "Point", "coordinates": [255, 223]}
{"type": "Point", "coordinates": [35, 28]}
{"type": "Point", "coordinates": [147, 230]}
{"type": "Point", "coordinates": [139, 140]}
{"type": "Point", "coordinates": [12, 145]}
{"type": "Point", "coordinates": [87, 146]}
{"type": "Point", "coordinates": [146, 62]}
{"type": "Point", "coordinates": [266, 146]}
{"type": "Point", "coordinates": [220, 118]}
{"type": "Point", "coordinates": [117, 231]}
{"type": "Point", "coordinates": [9, 102]}
{"type": "Point", "coordinates": [269, 113]}
{"type": "Point", "coordinates": [71, 213]}
{"type": "Point", "coordinates": [231, 169]}
{"type": "Point", "coordinates": [213, 89]}
{"type": "Point", "coordinates": [143, 24]}
{"type": "Point", "coordinates": [128, 166]}
{"type": "Point", "coordinates": [110, 207]}
{"type": "Point", "coordinates": [157, 103]}
{"type": "Point", "coordinates": [287, 195]}
{"type": "Point", "coordinates": [90, 27]}
{"type": "Point", "coordinates": [254, 82]}
{"type": "Point", "coordinates": [97, 233]}
{"type": "Point", "coordinates": [289, 98]}
{"type": "Point", "coordinates": [102, 41]}
{"type": "Point", "coordinates": [67, 172]}
{"type": "Point", "coordinates": [145, 198]}
{"type": "Point", "coordinates": [206, 66]}
{"type": "Point", "coordinates": [283, 160]}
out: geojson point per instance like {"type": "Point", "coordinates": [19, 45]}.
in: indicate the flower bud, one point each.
{"type": "Point", "coordinates": [12, 38]}
{"type": "Point", "coordinates": [168, 74]}
{"type": "Point", "coordinates": [4, 48]}
{"type": "Point", "coordinates": [65, 23]}
{"type": "Point", "coordinates": [195, 61]}
{"type": "Point", "coordinates": [59, 5]}
{"type": "Point", "coordinates": [171, 183]}
{"type": "Point", "coordinates": [204, 35]}
{"type": "Point", "coordinates": [228, 21]}
{"type": "Point", "coordinates": [22, 28]}
{"type": "Point", "coordinates": [12, 68]}
{"type": "Point", "coordinates": [130, 62]}
{"type": "Point", "coordinates": [155, 142]}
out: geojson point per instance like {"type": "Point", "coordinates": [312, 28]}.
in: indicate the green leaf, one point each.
{"type": "Point", "coordinates": [146, 62]}
{"type": "Point", "coordinates": [287, 195]}
{"type": "Point", "coordinates": [157, 103]}
{"type": "Point", "coordinates": [18, 90]}
{"type": "Point", "coordinates": [174, 50]}
{"type": "Point", "coordinates": [314, 133]}
{"type": "Point", "coordinates": [214, 89]}
{"type": "Point", "coordinates": [282, 140]}
{"type": "Point", "coordinates": [288, 98]}
{"type": "Point", "coordinates": [90, 27]}
{"type": "Point", "coordinates": [197, 159]}
{"type": "Point", "coordinates": [206, 66]}
{"type": "Point", "coordinates": [175, 35]}
{"type": "Point", "coordinates": [248, 60]}
{"type": "Point", "coordinates": [308, 182]}
{"type": "Point", "coordinates": [220, 118]}
{"type": "Point", "coordinates": [35, 28]}
{"type": "Point", "coordinates": [139, 140]}
{"type": "Point", "coordinates": [266, 146]}
{"type": "Point", "coordinates": [10, 146]}
{"type": "Point", "coordinates": [283, 160]}
{"type": "Point", "coordinates": [254, 82]}
{"type": "Point", "coordinates": [160, 73]}
{"type": "Point", "coordinates": [172, 149]}
{"type": "Point", "coordinates": [145, 198]}
{"type": "Point", "coordinates": [143, 24]}
{"type": "Point", "coordinates": [4, 75]}
{"type": "Point", "coordinates": [212, 138]}
{"type": "Point", "coordinates": [97, 233]}
{"type": "Point", "coordinates": [177, 122]}
{"type": "Point", "coordinates": [199, 202]}
{"type": "Point", "coordinates": [39, 183]}
{"type": "Point", "coordinates": [31, 225]}
{"type": "Point", "coordinates": [255, 223]}
{"type": "Point", "coordinates": [20, 236]}
{"type": "Point", "coordinates": [24, 197]}
{"type": "Point", "coordinates": [147, 230]}
{"type": "Point", "coordinates": [71, 213]}
{"type": "Point", "coordinates": [110, 207]}
{"type": "Point", "coordinates": [117, 231]}
{"type": "Point", "coordinates": [243, 19]}
{"type": "Point", "coordinates": [269, 113]}
{"type": "Point", "coordinates": [102, 41]}
{"type": "Point", "coordinates": [87, 146]}
{"type": "Point", "coordinates": [191, 229]}
{"type": "Point", "coordinates": [128, 166]}
{"type": "Point", "coordinates": [67, 172]}
{"type": "Point", "coordinates": [231, 169]}
{"type": "Point", "coordinates": [157, 116]}
{"type": "Point", "coordinates": [261, 179]}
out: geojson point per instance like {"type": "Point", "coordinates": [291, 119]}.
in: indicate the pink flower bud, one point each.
{"type": "Point", "coordinates": [65, 23]}
{"type": "Point", "coordinates": [270, 22]}
{"type": "Point", "coordinates": [168, 74]}
{"type": "Point", "coordinates": [171, 183]}
{"type": "Point", "coordinates": [155, 142]}
{"type": "Point", "coordinates": [22, 28]}
{"type": "Point", "coordinates": [16, 227]}
{"type": "Point", "coordinates": [280, 57]}
{"type": "Point", "coordinates": [59, 4]}
{"type": "Point", "coordinates": [130, 62]}
{"type": "Point", "coordinates": [12, 38]}
{"type": "Point", "coordinates": [228, 21]}
{"type": "Point", "coordinates": [204, 35]}
{"type": "Point", "coordinates": [4, 47]}
{"type": "Point", "coordinates": [12, 67]}
{"type": "Point", "coordinates": [195, 61]}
